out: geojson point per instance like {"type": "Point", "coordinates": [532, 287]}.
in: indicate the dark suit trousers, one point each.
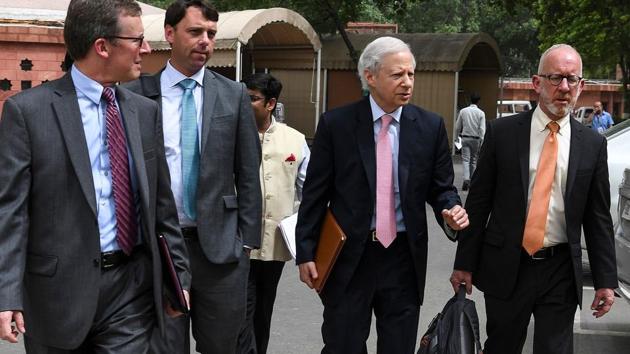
{"type": "Point", "coordinates": [125, 315]}
{"type": "Point", "coordinates": [177, 339]}
{"type": "Point", "coordinates": [264, 277]}
{"type": "Point", "coordinates": [544, 288]}
{"type": "Point", "coordinates": [384, 282]}
{"type": "Point", "coordinates": [218, 300]}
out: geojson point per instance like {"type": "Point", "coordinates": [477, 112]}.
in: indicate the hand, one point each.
{"type": "Point", "coordinates": [459, 277]}
{"type": "Point", "coordinates": [248, 251]}
{"type": "Point", "coordinates": [603, 301]}
{"type": "Point", "coordinates": [456, 217]}
{"type": "Point", "coordinates": [308, 273]}
{"type": "Point", "coordinates": [171, 312]}
{"type": "Point", "coordinates": [8, 331]}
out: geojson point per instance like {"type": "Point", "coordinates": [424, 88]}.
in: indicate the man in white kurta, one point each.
{"type": "Point", "coordinates": [285, 157]}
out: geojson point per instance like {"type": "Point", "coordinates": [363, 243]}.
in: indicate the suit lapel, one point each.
{"type": "Point", "coordinates": [523, 134]}
{"type": "Point", "coordinates": [151, 87]}
{"type": "Point", "coordinates": [68, 115]}
{"type": "Point", "coordinates": [365, 139]}
{"type": "Point", "coordinates": [132, 127]}
{"type": "Point", "coordinates": [575, 151]}
{"type": "Point", "coordinates": [409, 135]}
{"type": "Point", "coordinates": [209, 101]}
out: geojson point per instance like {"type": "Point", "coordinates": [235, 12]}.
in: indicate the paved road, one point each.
{"type": "Point", "coordinates": [298, 312]}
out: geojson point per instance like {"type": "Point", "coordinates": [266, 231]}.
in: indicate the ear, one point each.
{"type": "Point", "coordinates": [536, 82]}
{"type": "Point", "coordinates": [101, 46]}
{"type": "Point", "coordinates": [271, 104]}
{"type": "Point", "coordinates": [169, 33]}
{"type": "Point", "coordinates": [369, 77]}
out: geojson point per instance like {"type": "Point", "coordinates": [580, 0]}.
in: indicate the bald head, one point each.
{"type": "Point", "coordinates": [556, 51]}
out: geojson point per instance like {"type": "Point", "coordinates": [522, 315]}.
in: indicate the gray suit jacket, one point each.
{"type": "Point", "coordinates": [49, 235]}
{"type": "Point", "coordinates": [229, 201]}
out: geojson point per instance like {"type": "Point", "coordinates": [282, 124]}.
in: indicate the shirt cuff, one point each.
{"type": "Point", "coordinates": [450, 233]}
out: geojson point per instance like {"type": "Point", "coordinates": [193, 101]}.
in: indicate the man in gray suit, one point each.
{"type": "Point", "coordinates": [84, 191]}
{"type": "Point", "coordinates": [214, 164]}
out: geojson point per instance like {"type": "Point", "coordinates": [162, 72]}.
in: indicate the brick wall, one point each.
{"type": "Point", "coordinates": [42, 46]}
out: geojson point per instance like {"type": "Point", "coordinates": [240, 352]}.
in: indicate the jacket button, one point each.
{"type": "Point", "coordinates": [96, 262]}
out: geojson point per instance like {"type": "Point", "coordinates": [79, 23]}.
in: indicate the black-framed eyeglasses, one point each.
{"type": "Point", "coordinates": [255, 98]}
{"type": "Point", "coordinates": [137, 40]}
{"type": "Point", "coordinates": [556, 79]}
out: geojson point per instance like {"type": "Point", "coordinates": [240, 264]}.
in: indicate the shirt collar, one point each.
{"type": "Point", "coordinates": [540, 121]}
{"type": "Point", "coordinates": [378, 112]}
{"type": "Point", "coordinates": [172, 76]}
{"type": "Point", "coordinates": [271, 126]}
{"type": "Point", "coordinates": [87, 87]}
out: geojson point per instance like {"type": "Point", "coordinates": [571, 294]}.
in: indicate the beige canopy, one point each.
{"type": "Point", "coordinates": [433, 51]}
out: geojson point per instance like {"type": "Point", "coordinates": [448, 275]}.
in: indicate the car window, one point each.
{"type": "Point", "coordinates": [504, 108]}
{"type": "Point", "coordinates": [518, 108]}
{"type": "Point", "coordinates": [624, 125]}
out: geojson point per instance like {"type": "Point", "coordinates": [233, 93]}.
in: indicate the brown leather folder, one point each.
{"type": "Point", "coordinates": [172, 285]}
{"type": "Point", "coordinates": [331, 240]}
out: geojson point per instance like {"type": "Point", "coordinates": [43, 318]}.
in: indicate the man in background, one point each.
{"type": "Point", "coordinates": [471, 127]}
{"type": "Point", "coordinates": [213, 155]}
{"type": "Point", "coordinates": [84, 192]}
{"type": "Point", "coordinates": [282, 172]}
{"type": "Point", "coordinates": [601, 119]}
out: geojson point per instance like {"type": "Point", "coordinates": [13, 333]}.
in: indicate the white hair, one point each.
{"type": "Point", "coordinates": [374, 53]}
{"type": "Point", "coordinates": [544, 56]}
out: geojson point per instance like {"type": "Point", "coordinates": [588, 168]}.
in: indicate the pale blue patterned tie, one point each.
{"type": "Point", "coordinates": [190, 148]}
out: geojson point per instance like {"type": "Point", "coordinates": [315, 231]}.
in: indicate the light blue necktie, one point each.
{"type": "Point", "coordinates": [190, 148]}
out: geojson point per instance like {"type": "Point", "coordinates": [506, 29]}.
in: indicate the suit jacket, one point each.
{"type": "Point", "coordinates": [229, 201]}
{"type": "Point", "coordinates": [342, 172]}
{"type": "Point", "coordinates": [490, 247]}
{"type": "Point", "coordinates": [49, 234]}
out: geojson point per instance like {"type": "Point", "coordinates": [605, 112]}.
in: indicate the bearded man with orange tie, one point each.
{"type": "Point", "coordinates": [376, 163]}
{"type": "Point", "coordinates": [540, 179]}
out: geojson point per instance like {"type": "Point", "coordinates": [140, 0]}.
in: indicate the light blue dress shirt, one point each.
{"type": "Point", "coordinates": [93, 117]}
{"type": "Point", "coordinates": [394, 136]}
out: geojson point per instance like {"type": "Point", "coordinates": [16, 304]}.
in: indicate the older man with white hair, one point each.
{"type": "Point", "coordinates": [375, 163]}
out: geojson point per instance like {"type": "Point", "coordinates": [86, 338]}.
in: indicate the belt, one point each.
{"type": "Point", "coordinates": [470, 137]}
{"type": "Point", "coordinates": [190, 233]}
{"type": "Point", "coordinates": [548, 252]}
{"type": "Point", "coordinates": [113, 259]}
{"type": "Point", "coordinates": [374, 238]}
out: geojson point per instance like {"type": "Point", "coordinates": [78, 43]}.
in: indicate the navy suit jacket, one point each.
{"type": "Point", "coordinates": [342, 172]}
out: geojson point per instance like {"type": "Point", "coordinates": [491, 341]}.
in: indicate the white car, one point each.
{"type": "Point", "coordinates": [618, 146]}
{"type": "Point", "coordinates": [507, 108]}
{"type": "Point", "coordinates": [618, 138]}
{"type": "Point", "coordinates": [584, 115]}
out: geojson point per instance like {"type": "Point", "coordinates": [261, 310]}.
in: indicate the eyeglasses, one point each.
{"type": "Point", "coordinates": [255, 98]}
{"type": "Point", "coordinates": [137, 40]}
{"type": "Point", "coordinates": [556, 79]}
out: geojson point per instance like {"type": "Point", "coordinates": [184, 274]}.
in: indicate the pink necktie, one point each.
{"type": "Point", "coordinates": [385, 216]}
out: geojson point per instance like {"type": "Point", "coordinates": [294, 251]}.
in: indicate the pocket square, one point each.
{"type": "Point", "coordinates": [291, 158]}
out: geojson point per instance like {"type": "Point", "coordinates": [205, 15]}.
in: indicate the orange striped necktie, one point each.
{"type": "Point", "coordinates": [539, 206]}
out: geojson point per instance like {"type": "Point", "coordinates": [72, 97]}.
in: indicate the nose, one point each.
{"type": "Point", "coordinates": [564, 85]}
{"type": "Point", "coordinates": [407, 81]}
{"type": "Point", "coordinates": [145, 48]}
